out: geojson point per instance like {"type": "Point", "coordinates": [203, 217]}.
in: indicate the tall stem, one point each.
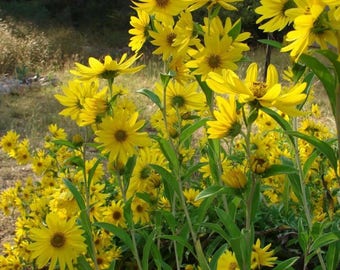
{"type": "Point", "coordinates": [132, 227]}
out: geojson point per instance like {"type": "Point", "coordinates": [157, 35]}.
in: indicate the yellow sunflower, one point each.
{"type": "Point", "coordinates": [274, 13]}
{"type": "Point", "coordinates": [227, 119]}
{"type": "Point", "coordinates": [139, 31]}
{"type": "Point", "coordinates": [309, 27]}
{"type": "Point", "coordinates": [74, 95]}
{"type": "Point", "coordinates": [119, 136]}
{"type": "Point", "coordinates": [261, 256]}
{"type": "Point", "coordinates": [140, 211]}
{"type": "Point", "coordinates": [184, 97]}
{"type": "Point", "coordinates": [267, 93]}
{"type": "Point", "coordinates": [227, 261]}
{"type": "Point", "coordinates": [107, 70]}
{"type": "Point", "coordinates": [94, 108]}
{"type": "Point", "coordinates": [164, 39]}
{"type": "Point", "coordinates": [61, 241]}
{"type": "Point", "coordinates": [216, 54]}
{"type": "Point", "coordinates": [9, 142]}
{"type": "Point", "coordinates": [143, 176]}
{"type": "Point", "coordinates": [163, 10]}
{"type": "Point", "coordinates": [190, 195]}
{"type": "Point", "coordinates": [114, 214]}
{"type": "Point", "coordinates": [223, 3]}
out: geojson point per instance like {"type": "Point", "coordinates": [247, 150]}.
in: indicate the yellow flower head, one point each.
{"type": "Point", "coordinates": [227, 119]}
{"type": "Point", "coordinates": [261, 256]}
{"type": "Point", "coordinates": [190, 195]}
{"type": "Point", "coordinates": [216, 54]}
{"type": "Point", "coordinates": [183, 97]}
{"type": "Point", "coordinates": [233, 175]}
{"type": "Point", "coordinates": [163, 10]}
{"type": "Point", "coordinates": [211, 3]}
{"type": "Point", "coordinates": [120, 137]}
{"type": "Point", "coordinates": [227, 261]}
{"type": "Point", "coordinates": [74, 95]}
{"type": "Point", "coordinates": [140, 211]}
{"type": "Point", "coordinates": [9, 141]}
{"type": "Point", "coordinates": [61, 242]}
{"type": "Point", "coordinates": [114, 214]}
{"type": "Point", "coordinates": [274, 13]}
{"type": "Point", "coordinates": [266, 93]}
{"type": "Point", "coordinates": [139, 31]}
{"type": "Point", "coordinates": [107, 70]}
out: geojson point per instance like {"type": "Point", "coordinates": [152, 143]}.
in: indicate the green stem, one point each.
{"type": "Point", "coordinates": [132, 227]}
{"type": "Point", "coordinates": [87, 200]}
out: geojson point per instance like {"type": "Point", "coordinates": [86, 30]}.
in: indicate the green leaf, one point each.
{"type": "Point", "coordinates": [228, 223]}
{"type": "Point", "coordinates": [165, 78]}
{"type": "Point", "coordinates": [333, 256]}
{"type": "Point", "coordinates": [256, 200]}
{"type": "Point", "coordinates": [271, 42]}
{"type": "Point", "coordinates": [321, 146]}
{"type": "Point", "coordinates": [216, 256]}
{"type": "Point", "coordinates": [214, 227]}
{"type": "Point", "coordinates": [146, 250]}
{"type": "Point", "coordinates": [277, 169]}
{"type": "Point", "coordinates": [192, 169]}
{"type": "Point", "coordinates": [169, 180]}
{"type": "Point", "coordinates": [152, 96]}
{"type": "Point", "coordinates": [92, 172]}
{"type": "Point", "coordinates": [214, 158]}
{"type": "Point", "coordinates": [210, 191]}
{"type": "Point", "coordinates": [190, 129]}
{"type": "Point", "coordinates": [280, 120]}
{"type": "Point", "coordinates": [294, 179]}
{"type": "Point", "coordinates": [235, 30]}
{"type": "Point", "coordinates": [117, 231]}
{"type": "Point", "coordinates": [128, 169]}
{"type": "Point", "coordinates": [308, 79]}
{"type": "Point", "coordinates": [168, 152]}
{"type": "Point", "coordinates": [309, 162]}
{"type": "Point", "coordinates": [65, 143]}
{"type": "Point", "coordinates": [333, 58]}
{"type": "Point", "coordinates": [287, 264]}
{"type": "Point", "coordinates": [83, 264]}
{"type": "Point", "coordinates": [209, 94]}
{"type": "Point", "coordinates": [324, 239]}
{"type": "Point", "coordinates": [180, 240]}
{"type": "Point", "coordinates": [76, 194]}
{"type": "Point", "coordinates": [325, 76]}
{"type": "Point", "coordinates": [302, 236]}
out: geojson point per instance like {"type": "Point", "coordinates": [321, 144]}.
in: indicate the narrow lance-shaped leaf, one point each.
{"type": "Point", "coordinates": [271, 42]}
{"type": "Point", "coordinates": [325, 76]}
{"type": "Point", "coordinates": [152, 96]}
{"type": "Point", "coordinates": [119, 232]}
{"type": "Point", "coordinates": [324, 240]}
{"type": "Point", "coordinates": [321, 146]}
{"type": "Point", "coordinates": [189, 130]}
{"type": "Point", "coordinates": [287, 264]}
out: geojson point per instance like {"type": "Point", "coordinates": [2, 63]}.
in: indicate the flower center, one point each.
{"type": "Point", "coordinates": [214, 61]}
{"type": "Point", "coordinates": [170, 38]}
{"type": "Point", "coordinates": [162, 3]}
{"type": "Point", "coordinates": [116, 215]}
{"type": "Point", "coordinates": [145, 172]}
{"type": "Point", "coordinates": [58, 240]}
{"type": "Point", "coordinates": [232, 266]}
{"type": "Point", "coordinates": [177, 101]}
{"type": "Point", "coordinates": [259, 89]}
{"type": "Point", "coordinates": [120, 135]}
{"type": "Point", "coordinates": [139, 208]}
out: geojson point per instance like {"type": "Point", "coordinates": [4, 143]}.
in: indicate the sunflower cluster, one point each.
{"type": "Point", "coordinates": [192, 185]}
